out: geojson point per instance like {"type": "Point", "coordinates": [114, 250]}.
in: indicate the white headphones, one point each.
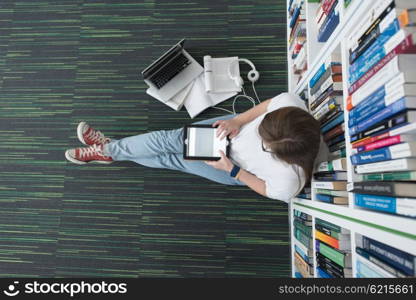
{"type": "Point", "coordinates": [252, 75]}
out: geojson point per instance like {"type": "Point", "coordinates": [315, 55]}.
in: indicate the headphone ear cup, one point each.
{"type": "Point", "coordinates": [253, 75]}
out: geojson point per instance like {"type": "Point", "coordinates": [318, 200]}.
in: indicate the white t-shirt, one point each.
{"type": "Point", "coordinates": [282, 181]}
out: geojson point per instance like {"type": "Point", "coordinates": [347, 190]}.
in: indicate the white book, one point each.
{"type": "Point", "coordinates": [217, 73]}
{"type": "Point", "coordinates": [408, 129]}
{"type": "Point", "coordinates": [302, 247]}
{"type": "Point", "coordinates": [176, 102]}
{"type": "Point", "coordinates": [333, 165]}
{"type": "Point", "coordinates": [404, 63]}
{"type": "Point", "coordinates": [323, 108]}
{"type": "Point", "coordinates": [402, 164]}
{"type": "Point", "coordinates": [300, 60]}
{"type": "Point", "coordinates": [376, 9]}
{"type": "Point", "coordinates": [332, 193]}
{"type": "Point", "coordinates": [403, 150]}
{"type": "Point", "coordinates": [369, 269]}
{"type": "Point", "coordinates": [198, 100]}
{"type": "Point", "coordinates": [405, 90]}
{"type": "Point", "coordinates": [330, 185]}
{"type": "Point", "coordinates": [338, 101]}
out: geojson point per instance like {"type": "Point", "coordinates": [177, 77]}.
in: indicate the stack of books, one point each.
{"type": "Point", "coordinates": [381, 105]}
{"type": "Point", "coordinates": [327, 18]}
{"type": "Point", "coordinates": [378, 260]}
{"type": "Point", "coordinates": [302, 225]}
{"type": "Point", "coordinates": [305, 193]}
{"type": "Point", "coordinates": [297, 37]}
{"type": "Point", "coordinates": [326, 105]}
{"type": "Point", "coordinates": [330, 182]}
{"type": "Point", "coordinates": [333, 250]}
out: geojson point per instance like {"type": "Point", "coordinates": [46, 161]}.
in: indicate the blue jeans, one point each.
{"type": "Point", "coordinates": [164, 149]}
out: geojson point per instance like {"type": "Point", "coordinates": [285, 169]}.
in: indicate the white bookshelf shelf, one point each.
{"type": "Point", "coordinates": [393, 230]}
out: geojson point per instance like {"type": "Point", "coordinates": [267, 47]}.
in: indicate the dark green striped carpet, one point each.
{"type": "Point", "coordinates": [64, 61]}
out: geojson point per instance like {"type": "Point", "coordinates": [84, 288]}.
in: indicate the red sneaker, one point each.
{"type": "Point", "coordinates": [89, 136]}
{"type": "Point", "coordinates": [90, 154]}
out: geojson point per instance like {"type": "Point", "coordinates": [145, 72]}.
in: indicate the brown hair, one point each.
{"type": "Point", "coordinates": [293, 136]}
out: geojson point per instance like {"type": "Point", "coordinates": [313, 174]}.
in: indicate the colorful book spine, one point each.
{"type": "Point", "coordinates": [393, 205]}
{"type": "Point", "coordinates": [385, 18]}
{"type": "Point", "coordinates": [392, 176]}
{"type": "Point", "coordinates": [398, 124]}
{"type": "Point", "coordinates": [406, 46]}
{"type": "Point", "coordinates": [327, 239]}
{"type": "Point", "coordinates": [382, 45]}
{"type": "Point", "coordinates": [307, 230]}
{"type": "Point", "coordinates": [397, 258]}
{"type": "Point", "coordinates": [367, 255]}
{"type": "Point", "coordinates": [386, 87]}
{"type": "Point", "coordinates": [384, 95]}
{"type": "Point", "coordinates": [335, 140]}
{"type": "Point", "coordinates": [389, 141]}
{"type": "Point", "coordinates": [321, 71]}
{"type": "Point", "coordinates": [338, 153]}
{"type": "Point", "coordinates": [329, 25]}
{"type": "Point", "coordinates": [303, 238]}
{"type": "Point", "coordinates": [325, 198]}
{"type": "Point", "coordinates": [325, 108]}
{"type": "Point", "coordinates": [385, 113]}
{"type": "Point", "coordinates": [332, 193]}
{"type": "Point", "coordinates": [316, 100]}
{"type": "Point", "coordinates": [365, 270]}
{"type": "Point", "coordinates": [324, 78]}
{"type": "Point", "coordinates": [393, 152]}
{"type": "Point", "coordinates": [322, 274]}
{"type": "Point", "coordinates": [337, 130]}
{"type": "Point", "coordinates": [334, 165]}
{"type": "Point", "coordinates": [380, 104]}
{"type": "Point", "coordinates": [325, 230]}
{"type": "Point", "coordinates": [334, 255]}
{"type": "Point", "coordinates": [302, 254]}
{"type": "Point", "coordinates": [402, 164]}
{"type": "Point", "coordinates": [334, 122]}
{"type": "Point", "coordinates": [328, 225]}
{"type": "Point", "coordinates": [371, 19]}
{"type": "Point", "coordinates": [295, 16]}
{"type": "Point", "coordinates": [332, 113]}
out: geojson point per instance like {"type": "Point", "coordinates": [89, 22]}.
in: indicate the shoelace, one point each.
{"type": "Point", "coordinates": [86, 153]}
{"type": "Point", "coordinates": [97, 137]}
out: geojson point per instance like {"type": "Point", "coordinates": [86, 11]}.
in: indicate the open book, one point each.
{"type": "Point", "coordinates": [198, 100]}
{"type": "Point", "coordinates": [217, 74]}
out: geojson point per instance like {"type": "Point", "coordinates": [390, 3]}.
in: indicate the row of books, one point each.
{"type": "Point", "coordinates": [303, 254]}
{"type": "Point", "coordinates": [333, 253]}
{"type": "Point", "coordinates": [326, 105]}
{"type": "Point", "coordinates": [333, 250]}
{"type": "Point", "coordinates": [297, 37]}
{"type": "Point", "coordinates": [327, 18]}
{"type": "Point", "coordinates": [378, 260]}
{"type": "Point", "coordinates": [382, 108]}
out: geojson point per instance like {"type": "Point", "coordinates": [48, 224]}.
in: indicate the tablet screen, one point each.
{"type": "Point", "coordinates": [203, 142]}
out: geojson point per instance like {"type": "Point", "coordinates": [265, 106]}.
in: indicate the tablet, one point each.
{"type": "Point", "coordinates": [201, 143]}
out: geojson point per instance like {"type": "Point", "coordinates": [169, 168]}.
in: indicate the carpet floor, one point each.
{"type": "Point", "coordinates": [66, 61]}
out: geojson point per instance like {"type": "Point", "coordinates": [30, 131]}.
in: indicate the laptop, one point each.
{"type": "Point", "coordinates": [171, 72]}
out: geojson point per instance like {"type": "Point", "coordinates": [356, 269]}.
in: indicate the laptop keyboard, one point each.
{"type": "Point", "coordinates": [173, 68]}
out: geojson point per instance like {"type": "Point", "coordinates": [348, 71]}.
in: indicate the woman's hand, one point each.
{"type": "Point", "coordinates": [227, 127]}
{"type": "Point", "coordinates": [223, 164]}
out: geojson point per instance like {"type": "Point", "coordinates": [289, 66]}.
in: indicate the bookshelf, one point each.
{"type": "Point", "coordinates": [394, 230]}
